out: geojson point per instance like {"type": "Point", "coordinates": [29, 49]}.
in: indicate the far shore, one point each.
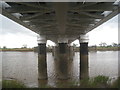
{"type": "Point", "coordinates": [76, 49]}
{"type": "Point", "coordinates": [18, 49]}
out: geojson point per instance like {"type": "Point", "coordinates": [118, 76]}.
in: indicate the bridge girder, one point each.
{"type": "Point", "coordinates": [69, 19]}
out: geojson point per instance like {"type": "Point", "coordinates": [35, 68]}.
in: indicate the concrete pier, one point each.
{"type": "Point", "coordinates": [55, 52]}
{"type": "Point", "coordinates": [42, 64]}
{"type": "Point", "coordinates": [62, 62]}
{"type": "Point", "coordinates": [84, 69]}
{"type": "Point", "coordinates": [84, 66]}
{"type": "Point", "coordinates": [71, 52]}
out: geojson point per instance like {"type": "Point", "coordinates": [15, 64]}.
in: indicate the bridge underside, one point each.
{"type": "Point", "coordinates": [61, 22]}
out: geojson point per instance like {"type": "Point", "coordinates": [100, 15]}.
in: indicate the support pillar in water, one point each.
{"type": "Point", "coordinates": [55, 52]}
{"type": "Point", "coordinates": [42, 64]}
{"type": "Point", "coordinates": [83, 60]}
{"type": "Point", "coordinates": [84, 68]}
{"type": "Point", "coordinates": [71, 52]}
{"type": "Point", "coordinates": [62, 61]}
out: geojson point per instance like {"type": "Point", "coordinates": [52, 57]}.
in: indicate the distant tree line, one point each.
{"type": "Point", "coordinates": [103, 44]}
{"type": "Point", "coordinates": [4, 47]}
{"type": "Point", "coordinates": [24, 46]}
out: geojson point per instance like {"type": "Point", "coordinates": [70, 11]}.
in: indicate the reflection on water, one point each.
{"type": "Point", "coordinates": [103, 63]}
{"type": "Point", "coordinates": [23, 67]}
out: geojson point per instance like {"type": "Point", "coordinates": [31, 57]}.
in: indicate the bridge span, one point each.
{"type": "Point", "coordinates": [62, 23]}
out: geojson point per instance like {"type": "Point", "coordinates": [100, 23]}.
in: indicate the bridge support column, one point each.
{"type": "Point", "coordinates": [71, 52]}
{"type": "Point", "coordinates": [55, 52]}
{"type": "Point", "coordinates": [62, 61]}
{"type": "Point", "coordinates": [42, 64]}
{"type": "Point", "coordinates": [83, 60]}
{"type": "Point", "coordinates": [84, 66]}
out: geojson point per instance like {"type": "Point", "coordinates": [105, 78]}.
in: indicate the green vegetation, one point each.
{"type": "Point", "coordinates": [17, 49]}
{"type": "Point", "coordinates": [101, 47]}
{"type": "Point", "coordinates": [100, 82]}
{"type": "Point", "coordinates": [23, 48]}
{"type": "Point", "coordinates": [104, 48]}
{"type": "Point", "coordinates": [116, 83]}
{"type": "Point", "coordinates": [97, 48]}
{"type": "Point", "coordinates": [12, 84]}
{"type": "Point", "coordinates": [96, 82]}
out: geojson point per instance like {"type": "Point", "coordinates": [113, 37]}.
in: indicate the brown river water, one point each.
{"type": "Point", "coordinates": [23, 66]}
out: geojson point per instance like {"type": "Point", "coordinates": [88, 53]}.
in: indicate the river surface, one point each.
{"type": "Point", "coordinates": [23, 66]}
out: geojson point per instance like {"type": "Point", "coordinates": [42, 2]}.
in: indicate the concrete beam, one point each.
{"type": "Point", "coordinates": [34, 16]}
{"type": "Point", "coordinates": [82, 5]}
{"type": "Point", "coordinates": [111, 15]}
{"type": "Point", "coordinates": [44, 20]}
{"type": "Point", "coordinates": [33, 5]}
{"type": "Point", "coordinates": [81, 16]}
{"type": "Point", "coordinates": [105, 6]}
{"type": "Point", "coordinates": [5, 13]}
{"type": "Point", "coordinates": [41, 18]}
{"type": "Point", "coordinates": [83, 22]}
{"type": "Point", "coordinates": [77, 25]}
{"type": "Point", "coordinates": [61, 16]}
{"type": "Point", "coordinates": [62, 39]}
{"type": "Point", "coordinates": [41, 39]}
{"type": "Point", "coordinates": [24, 9]}
{"type": "Point", "coordinates": [92, 15]}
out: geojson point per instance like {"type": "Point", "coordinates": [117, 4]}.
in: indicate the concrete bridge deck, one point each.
{"type": "Point", "coordinates": [62, 23]}
{"type": "Point", "coordinates": [58, 20]}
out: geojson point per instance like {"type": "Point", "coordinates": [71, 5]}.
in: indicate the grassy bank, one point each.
{"type": "Point", "coordinates": [17, 49]}
{"type": "Point", "coordinates": [104, 49]}
{"type": "Point", "coordinates": [96, 82]}
{"type": "Point", "coordinates": [12, 84]}
{"type": "Point", "coordinates": [76, 49]}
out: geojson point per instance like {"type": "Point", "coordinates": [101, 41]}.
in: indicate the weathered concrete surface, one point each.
{"type": "Point", "coordinates": [42, 67]}
{"type": "Point", "coordinates": [62, 66]}
{"type": "Point", "coordinates": [84, 68]}
{"type": "Point", "coordinates": [71, 52]}
{"type": "Point", "coordinates": [55, 52]}
{"type": "Point", "coordinates": [61, 60]}
{"type": "Point", "coordinates": [42, 64]}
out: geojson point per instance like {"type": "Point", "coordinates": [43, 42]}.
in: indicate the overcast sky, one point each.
{"type": "Point", "coordinates": [14, 35]}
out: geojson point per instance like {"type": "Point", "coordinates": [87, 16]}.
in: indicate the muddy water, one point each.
{"type": "Point", "coordinates": [23, 66]}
